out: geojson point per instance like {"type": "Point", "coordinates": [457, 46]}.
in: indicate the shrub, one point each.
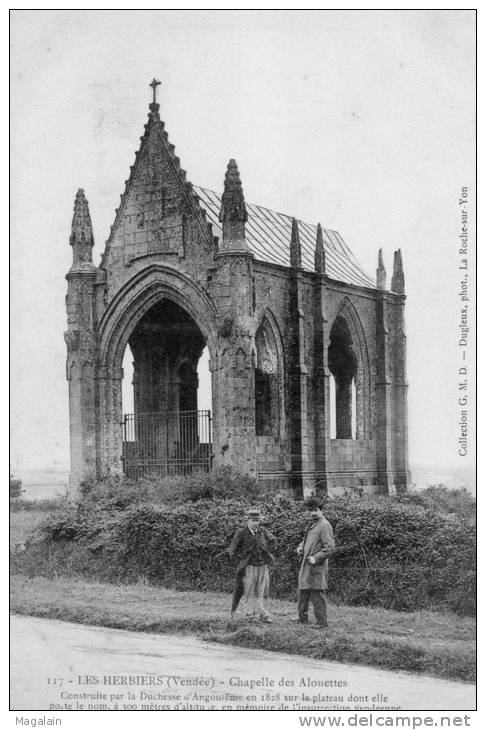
{"type": "Point", "coordinates": [222, 483]}
{"type": "Point", "coordinates": [15, 486]}
{"type": "Point", "coordinates": [389, 554]}
{"type": "Point", "coordinates": [118, 492]}
{"type": "Point", "coordinates": [438, 497]}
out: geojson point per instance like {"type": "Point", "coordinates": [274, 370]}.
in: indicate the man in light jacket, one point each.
{"type": "Point", "coordinates": [315, 548]}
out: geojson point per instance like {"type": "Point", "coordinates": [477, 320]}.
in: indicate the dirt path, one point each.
{"type": "Point", "coordinates": [58, 665]}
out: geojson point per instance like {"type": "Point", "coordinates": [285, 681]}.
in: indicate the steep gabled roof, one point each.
{"type": "Point", "coordinates": [268, 235]}
{"type": "Point", "coordinates": [154, 149]}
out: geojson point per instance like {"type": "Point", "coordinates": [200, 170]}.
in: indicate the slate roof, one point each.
{"type": "Point", "coordinates": [268, 235]}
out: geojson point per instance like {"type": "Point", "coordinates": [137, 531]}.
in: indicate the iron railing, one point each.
{"type": "Point", "coordinates": [167, 444]}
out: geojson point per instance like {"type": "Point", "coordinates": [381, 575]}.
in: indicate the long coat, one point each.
{"type": "Point", "coordinates": [319, 542]}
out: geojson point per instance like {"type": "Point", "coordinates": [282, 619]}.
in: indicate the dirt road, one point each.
{"type": "Point", "coordinates": [58, 665]}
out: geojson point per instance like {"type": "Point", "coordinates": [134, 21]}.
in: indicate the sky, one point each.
{"type": "Point", "coordinates": [361, 120]}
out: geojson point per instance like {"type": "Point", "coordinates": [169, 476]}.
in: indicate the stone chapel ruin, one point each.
{"type": "Point", "coordinates": [306, 353]}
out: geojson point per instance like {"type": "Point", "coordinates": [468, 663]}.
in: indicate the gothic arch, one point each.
{"type": "Point", "coordinates": [269, 378]}
{"type": "Point", "coordinates": [269, 317]}
{"type": "Point", "coordinates": [348, 312]}
{"type": "Point", "coordinates": [133, 300]}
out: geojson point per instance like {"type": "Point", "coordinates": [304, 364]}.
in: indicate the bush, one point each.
{"type": "Point", "coordinates": [118, 492]}
{"type": "Point", "coordinates": [438, 497]}
{"type": "Point", "coordinates": [389, 554]}
{"type": "Point", "coordinates": [15, 486]}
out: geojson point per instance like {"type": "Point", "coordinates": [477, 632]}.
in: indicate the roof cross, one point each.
{"type": "Point", "coordinates": [154, 83]}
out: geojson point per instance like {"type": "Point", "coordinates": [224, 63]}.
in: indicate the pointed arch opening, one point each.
{"type": "Point", "coordinates": [267, 382]}
{"type": "Point", "coordinates": [343, 364]}
{"type": "Point", "coordinates": [166, 428]}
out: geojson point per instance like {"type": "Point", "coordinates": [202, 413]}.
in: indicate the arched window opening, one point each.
{"type": "Point", "coordinates": [343, 366]}
{"type": "Point", "coordinates": [266, 383]}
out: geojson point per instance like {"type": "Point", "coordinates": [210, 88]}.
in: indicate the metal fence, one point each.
{"type": "Point", "coordinates": [167, 444]}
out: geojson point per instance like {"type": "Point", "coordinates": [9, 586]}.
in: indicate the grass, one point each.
{"type": "Point", "coordinates": [26, 514]}
{"type": "Point", "coordinates": [19, 504]}
{"type": "Point", "coordinates": [433, 643]}
{"type": "Point", "coordinates": [438, 644]}
{"type": "Point", "coordinates": [22, 523]}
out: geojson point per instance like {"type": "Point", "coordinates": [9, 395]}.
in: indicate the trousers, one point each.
{"type": "Point", "coordinates": [256, 583]}
{"type": "Point", "coordinates": [319, 603]}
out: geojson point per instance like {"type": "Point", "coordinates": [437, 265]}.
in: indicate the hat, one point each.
{"type": "Point", "coordinates": [313, 503]}
{"type": "Point", "coordinates": [254, 513]}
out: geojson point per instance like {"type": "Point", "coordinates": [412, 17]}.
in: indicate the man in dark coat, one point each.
{"type": "Point", "coordinates": [315, 548]}
{"type": "Point", "coordinates": [251, 546]}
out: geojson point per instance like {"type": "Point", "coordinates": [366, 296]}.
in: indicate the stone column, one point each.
{"type": "Point", "coordinates": [391, 385]}
{"type": "Point", "coordinates": [400, 384]}
{"type": "Point", "coordinates": [301, 481]}
{"type": "Point", "coordinates": [321, 371]}
{"type": "Point", "coordinates": [234, 417]}
{"type": "Point", "coordinates": [81, 344]}
{"type": "Point", "coordinates": [383, 397]}
{"type": "Point", "coordinates": [234, 407]}
{"type": "Point", "coordinates": [110, 451]}
{"type": "Point", "coordinates": [82, 428]}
